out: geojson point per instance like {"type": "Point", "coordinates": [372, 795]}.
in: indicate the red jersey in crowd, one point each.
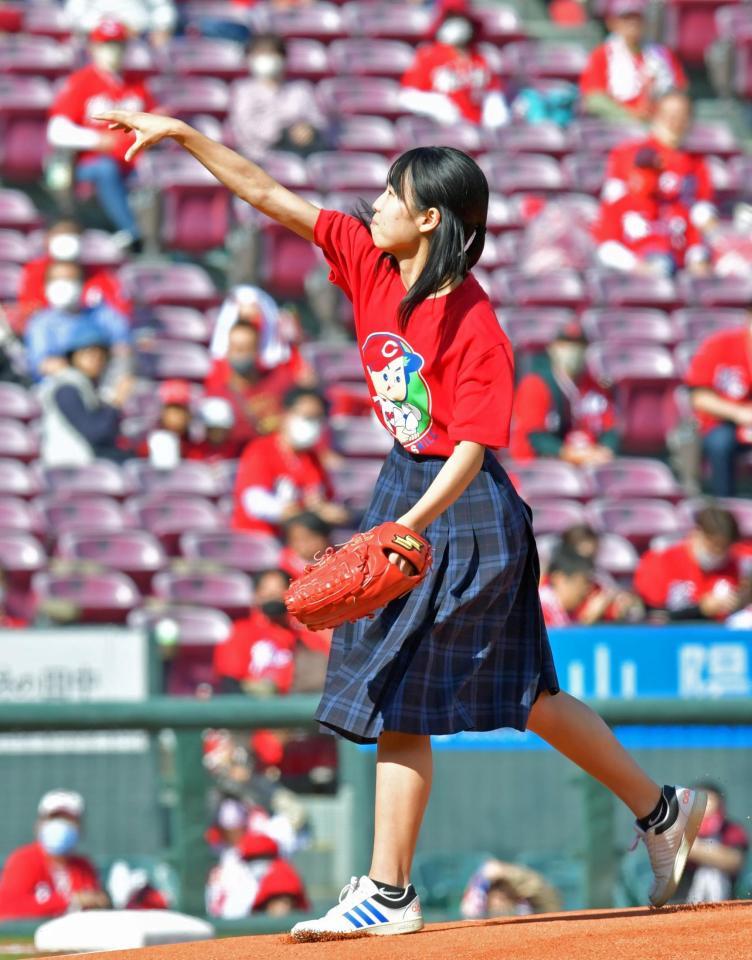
{"type": "Point", "coordinates": [258, 405]}
{"type": "Point", "coordinates": [90, 91]}
{"type": "Point", "coordinates": [33, 885]}
{"type": "Point", "coordinates": [465, 78]}
{"type": "Point", "coordinates": [645, 227]}
{"type": "Point", "coordinates": [723, 363]}
{"type": "Point", "coordinates": [429, 390]}
{"type": "Point", "coordinates": [102, 286]}
{"type": "Point", "coordinates": [258, 649]}
{"type": "Point", "coordinates": [684, 178]}
{"type": "Point", "coordinates": [672, 579]}
{"type": "Point", "coordinates": [632, 79]}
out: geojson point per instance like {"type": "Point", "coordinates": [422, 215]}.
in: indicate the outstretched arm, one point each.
{"type": "Point", "coordinates": [245, 179]}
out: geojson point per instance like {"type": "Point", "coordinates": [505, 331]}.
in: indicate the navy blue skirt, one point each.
{"type": "Point", "coordinates": [465, 650]}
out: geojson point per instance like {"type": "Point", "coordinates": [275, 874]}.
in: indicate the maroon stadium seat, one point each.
{"type": "Point", "coordinates": [712, 138]}
{"type": "Point", "coordinates": [616, 556]}
{"type": "Point", "coordinates": [286, 261]}
{"type": "Point", "coordinates": [228, 590]}
{"type": "Point", "coordinates": [560, 288]}
{"type": "Point", "coordinates": [203, 56]}
{"type": "Point", "coordinates": [585, 172]}
{"type": "Point", "coordinates": [17, 211]}
{"type": "Point", "coordinates": [690, 27]}
{"type": "Point", "coordinates": [354, 481]}
{"type": "Point", "coordinates": [21, 554]}
{"type": "Point", "coordinates": [188, 478]}
{"type": "Point", "coordinates": [134, 552]}
{"type": "Point", "coordinates": [398, 21]}
{"type": "Point", "coordinates": [368, 134]}
{"type": "Point", "coordinates": [627, 290]}
{"type": "Point", "coordinates": [717, 291]}
{"type": "Point", "coordinates": [629, 477]}
{"type": "Point", "coordinates": [556, 516]}
{"type": "Point", "coordinates": [701, 322]}
{"type": "Point", "coordinates": [35, 56]}
{"type": "Point", "coordinates": [24, 105]}
{"type": "Point", "coordinates": [645, 325]}
{"type": "Point", "coordinates": [371, 58]}
{"type": "Point", "coordinates": [174, 359]}
{"type": "Point", "coordinates": [98, 250]}
{"type": "Point", "coordinates": [504, 213]}
{"type": "Point", "coordinates": [317, 21]}
{"type": "Point", "coordinates": [533, 328]}
{"type": "Point", "coordinates": [14, 247]}
{"type": "Point", "coordinates": [168, 516]}
{"type": "Point", "coordinates": [186, 96]}
{"type": "Point", "coordinates": [590, 135]}
{"type": "Point", "coordinates": [636, 520]}
{"type": "Point", "coordinates": [307, 59]}
{"type": "Point", "coordinates": [235, 549]}
{"type": "Point", "coordinates": [424, 132]}
{"type": "Point", "coordinates": [10, 277]}
{"type": "Point", "coordinates": [353, 95]}
{"type": "Point", "coordinates": [46, 20]}
{"type": "Point", "coordinates": [17, 514]}
{"type": "Point", "coordinates": [501, 24]}
{"type": "Point", "coordinates": [683, 354]}
{"type": "Point", "coordinates": [183, 323]}
{"type": "Point", "coordinates": [331, 171]}
{"type": "Point", "coordinates": [17, 402]}
{"type": "Point", "coordinates": [522, 173]}
{"type": "Point", "coordinates": [548, 477]}
{"type": "Point", "coordinates": [86, 513]}
{"type": "Point", "coordinates": [360, 437]}
{"type": "Point", "coordinates": [546, 138]}
{"type": "Point", "coordinates": [106, 597]}
{"type": "Point", "coordinates": [16, 479]}
{"type": "Point", "coordinates": [18, 441]}
{"type": "Point", "coordinates": [185, 284]}
{"type": "Point", "coordinates": [535, 60]}
{"type": "Point", "coordinates": [288, 168]}
{"type": "Point", "coordinates": [101, 478]}
{"type": "Point", "coordinates": [333, 362]}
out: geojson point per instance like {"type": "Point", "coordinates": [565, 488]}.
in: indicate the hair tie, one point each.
{"type": "Point", "coordinates": [469, 240]}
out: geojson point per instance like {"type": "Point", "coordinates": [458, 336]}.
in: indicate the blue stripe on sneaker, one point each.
{"type": "Point", "coordinates": [353, 921]}
{"type": "Point", "coordinates": [364, 916]}
{"type": "Point", "coordinates": [377, 913]}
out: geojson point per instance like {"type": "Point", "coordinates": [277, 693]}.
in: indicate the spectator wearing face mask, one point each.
{"type": "Point", "coordinates": [704, 577]}
{"type": "Point", "coordinates": [281, 474]}
{"type": "Point", "coordinates": [155, 19]}
{"type": "Point", "coordinates": [63, 245]}
{"type": "Point", "coordinates": [100, 152]}
{"type": "Point", "coordinates": [47, 878]}
{"type": "Point", "coordinates": [267, 111]}
{"type": "Point", "coordinates": [48, 329]}
{"type": "Point", "coordinates": [560, 410]}
{"type": "Point", "coordinates": [450, 80]}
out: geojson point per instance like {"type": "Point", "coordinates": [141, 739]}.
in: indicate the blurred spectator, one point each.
{"type": "Point", "coordinates": [266, 111]}
{"type": "Point", "coordinates": [704, 577]}
{"type": "Point", "coordinates": [717, 856]}
{"type": "Point", "coordinates": [78, 426]}
{"type": "Point", "coordinates": [450, 80]}
{"type": "Point", "coordinates": [155, 18]}
{"type": "Point", "coordinates": [281, 474]}
{"type": "Point", "coordinates": [63, 244]}
{"type": "Point", "coordinates": [48, 329]}
{"type": "Point", "coordinates": [6, 620]}
{"type": "Point", "coordinates": [560, 410]}
{"type": "Point", "coordinates": [218, 420]}
{"type": "Point", "coordinates": [582, 540]}
{"type": "Point", "coordinates": [306, 537]}
{"type": "Point", "coordinates": [720, 380]}
{"type": "Point", "coordinates": [571, 594]}
{"type": "Point", "coordinates": [46, 878]}
{"type": "Point", "coordinates": [640, 233]}
{"type": "Point", "coordinates": [624, 75]}
{"type": "Point", "coordinates": [500, 889]}
{"type": "Point", "coordinates": [101, 152]}
{"type": "Point", "coordinates": [684, 186]}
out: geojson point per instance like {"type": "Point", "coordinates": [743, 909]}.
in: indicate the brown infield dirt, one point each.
{"type": "Point", "coordinates": [708, 932]}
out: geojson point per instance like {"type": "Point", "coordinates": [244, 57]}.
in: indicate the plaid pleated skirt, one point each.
{"type": "Point", "coordinates": [465, 650]}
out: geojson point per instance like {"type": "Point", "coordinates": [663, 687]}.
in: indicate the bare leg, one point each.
{"type": "Point", "coordinates": [404, 769]}
{"type": "Point", "coordinates": [580, 734]}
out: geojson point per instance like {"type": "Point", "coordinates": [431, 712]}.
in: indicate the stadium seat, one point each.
{"type": "Point", "coordinates": [35, 56]}
{"type": "Point", "coordinates": [689, 27]}
{"type": "Point", "coordinates": [46, 20]}
{"type": "Point", "coordinates": [629, 477]}
{"type": "Point", "coordinates": [235, 549]}
{"type": "Point", "coordinates": [712, 138]}
{"type": "Point", "coordinates": [183, 323]}
{"type": "Point", "coordinates": [423, 132]}
{"type": "Point", "coordinates": [100, 478]}
{"type": "Point", "coordinates": [636, 520]}
{"type": "Point", "coordinates": [188, 478]}
{"type": "Point", "coordinates": [288, 168]}
{"type": "Point", "coordinates": [646, 325]}
{"type": "Point", "coordinates": [354, 482]}
{"type": "Point", "coordinates": [202, 56]}
{"type": "Point", "coordinates": [18, 403]}
{"type": "Point", "coordinates": [548, 478]}
{"type": "Point", "coordinates": [591, 135]}
{"type": "Point", "coordinates": [333, 362]}
{"type": "Point", "coordinates": [286, 261]}
{"type": "Point", "coordinates": [17, 480]}
{"type": "Point", "coordinates": [21, 554]}
{"type": "Point", "coordinates": [360, 437]}
{"type": "Point", "coordinates": [229, 590]}
{"type": "Point", "coordinates": [18, 514]}
{"type": "Point", "coordinates": [18, 441]}
{"type": "Point", "coordinates": [10, 277]}
{"type": "Point", "coordinates": [504, 213]}
{"type": "Point", "coordinates": [616, 556]}
{"type": "Point", "coordinates": [523, 173]}
{"type": "Point", "coordinates": [740, 508]}
{"type": "Point", "coordinates": [536, 60]}
{"type": "Point", "coordinates": [547, 138]}
{"type": "Point", "coordinates": [368, 134]}
{"type": "Point", "coordinates": [701, 322]}
{"type": "Point", "coordinates": [560, 288]}
{"type": "Point", "coordinates": [315, 21]}
{"type": "Point", "coordinates": [178, 284]}
{"type": "Point", "coordinates": [628, 290]}
{"type": "Point", "coordinates": [186, 96]}
{"type": "Point", "coordinates": [84, 514]}
{"type": "Point", "coordinates": [141, 61]}
{"type": "Point", "coordinates": [556, 516]}
{"type": "Point", "coordinates": [585, 172]}
{"type": "Point", "coordinates": [717, 291]}
{"type": "Point", "coordinates": [683, 354]}
{"type": "Point", "coordinates": [98, 249]}
{"type": "Point", "coordinates": [329, 171]}
{"type": "Point", "coordinates": [501, 24]}
{"type": "Point", "coordinates": [355, 95]}
{"type": "Point", "coordinates": [397, 21]}
{"type": "Point", "coordinates": [307, 59]}
{"type": "Point", "coordinates": [173, 359]}
{"type": "Point", "coordinates": [134, 552]}
{"type": "Point", "coordinates": [14, 247]}
{"type": "Point", "coordinates": [24, 105]}
{"type": "Point", "coordinates": [17, 212]}
{"type": "Point", "coordinates": [370, 58]}
{"type": "Point", "coordinates": [167, 516]}
{"type": "Point", "coordinates": [106, 597]}
{"type": "Point", "coordinates": [533, 328]}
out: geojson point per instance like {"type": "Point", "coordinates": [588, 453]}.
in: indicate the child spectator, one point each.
{"type": "Point", "coordinates": [306, 537]}
{"type": "Point", "coordinates": [175, 436]}
{"type": "Point", "coordinates": [501, 889]}
{"type": "Point", "coordinates": [450, 79]}
{"type": "Point", "coordinates": [218, 420]}
{"type": "Point", "coordinates": [624, 75]}
{"type": "Point", "coordinates": [717, 856]}
{"type": "Point", "coordinates": [571, 594]}
{"type": "Point", "coordinates": [98, 87]}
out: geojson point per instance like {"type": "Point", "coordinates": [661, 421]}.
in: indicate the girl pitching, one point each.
{"type": "Point", "coordinates": [467, 649]}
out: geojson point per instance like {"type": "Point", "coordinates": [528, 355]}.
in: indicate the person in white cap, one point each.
{"type": "Point", "coordinates": [47, 878]}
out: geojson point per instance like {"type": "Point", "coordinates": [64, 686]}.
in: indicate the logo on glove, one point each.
{"type": "Point", "coordinates": [409, 542]}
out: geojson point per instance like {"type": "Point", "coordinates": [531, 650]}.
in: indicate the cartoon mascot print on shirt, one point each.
{"type": "Point", "coordinates": [398, 388]}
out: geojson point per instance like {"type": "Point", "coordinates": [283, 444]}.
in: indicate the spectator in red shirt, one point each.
{"type": "Point", "coordinates": [624, 76]}
{"type": "Point", "coordinates": [100, 152]}
{"type": "Point", "coordinates": [720, 380]}
{"type": "Point", "coordinates": [218, 421]}
{"type": "Point", "coordinates": [704, 577]}
{"type": "Point", "coordinates": [306, 537]}
{"type": "Point", "coordinates": [46, 878]}
{"type": "Point", "coordinates": [572, 593]}
{"type": "Point", "coordinates": [717, 856]}
{"type": "Point", "coordinates": [281, 474]}
{"type": "Point", "coordinates": [450, 79]}
{"type": "Point", "coordinates": [560, 410]}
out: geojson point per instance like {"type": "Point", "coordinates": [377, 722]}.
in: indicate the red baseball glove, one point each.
{"type": "Point", "coordinates": [357, 579]}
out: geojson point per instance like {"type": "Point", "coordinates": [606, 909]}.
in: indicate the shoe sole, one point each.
{"type": "Point", "coordinates": [383, 930]}
{"type": "Point", "coordinates": [691, 829]}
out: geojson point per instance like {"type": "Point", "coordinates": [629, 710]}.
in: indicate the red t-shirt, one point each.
{"type": "Point", "coordinates": [258, 405]}
{"type": "Point", "coordinates": [723, 364]}
{"type": "Point", "coordinates": [258, 649]}
{"type": "Point", "coordinates": [449, 376]}
{"type": "Point", "coordinates": [268, 464]}
{"type": "Point", "coordinates": [90, 91]}
{"type": "Point", "coordinates": [31, 885]}
{"type": "Point", "coordinates": [101, 287]}
{"type": "Point", "coordinates": [672, 579]}
{"type": "Point", "coordinates": [684, 177]}
{"type": "Point", "coordinates": [646, 227]}
{"type": "Point", "coordinates": [631, 79]}
{"type": "Point", "coordinates": [464, 78]}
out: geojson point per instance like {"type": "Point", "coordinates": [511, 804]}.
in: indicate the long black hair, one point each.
{"type": "Point", "coordinates": [449, 180]}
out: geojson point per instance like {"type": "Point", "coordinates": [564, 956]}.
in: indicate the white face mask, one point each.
{"type": "Point", "coordinates": [64, 246]}
{"type": "Point", "coordinates": [63, 294]}
{"type": "Point", "coordinates": [267, 66]}
{"type": "Point", "coordinates": [456, 31]}
{"type": "Point", "coordinates": [303, 432]}
{"type": "Point", "coordinates": [108, 56]}
{"type": "Point", "coordinates": [58, 836]}
{"type": "Point", "coordinates": [709, 561]}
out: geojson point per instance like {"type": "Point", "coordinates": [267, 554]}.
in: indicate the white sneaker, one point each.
{"type": "Point", "coordinates": [669, 842]}
{"type": "Point", "coordinates": [364, 909]}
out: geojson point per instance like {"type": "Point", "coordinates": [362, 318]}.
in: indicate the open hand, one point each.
{"type": "Point", "coordinates": [149, 128]}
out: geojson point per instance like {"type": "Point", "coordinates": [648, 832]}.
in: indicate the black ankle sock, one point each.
{"type": "Point", "coordinates": [389, 888]}
{"type": "Point", "coordinates": [391, 896]}
{"type": "Point", "coordinates": [661, 811]}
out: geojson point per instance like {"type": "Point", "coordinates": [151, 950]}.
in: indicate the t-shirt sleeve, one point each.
{"type": "Point", "coordinates": [70, 101]}
{"type": "Point", "coordinates": [483, 401]}
{"type": "Point", "coordinates": [701, 370]}
{"type": "Point", "coordinates": [348, 249]}
{"type": "Point", "coordinates": [593, 79]}
{"type": "Point", "coordinates": [418, 74]}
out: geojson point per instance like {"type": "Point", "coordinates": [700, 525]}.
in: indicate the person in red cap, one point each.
{"type": "Point", "coordinates": [46, 878]}
{"type": "Point", "coordinates": [100, 152]}
{"type": "Point", "coordinates": [170, 441]}
{"type": "Point", "coordinates": [450, 79]}
{"type": "Point", "coordinates": [624, 76]}
{"type": "Point", "coordinates": [560, 410]}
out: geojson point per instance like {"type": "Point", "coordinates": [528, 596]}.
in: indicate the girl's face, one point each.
{"type": "Point", "coordinates": [391, 382]}
{"type": "Point", "coordinates": [398, 230]}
